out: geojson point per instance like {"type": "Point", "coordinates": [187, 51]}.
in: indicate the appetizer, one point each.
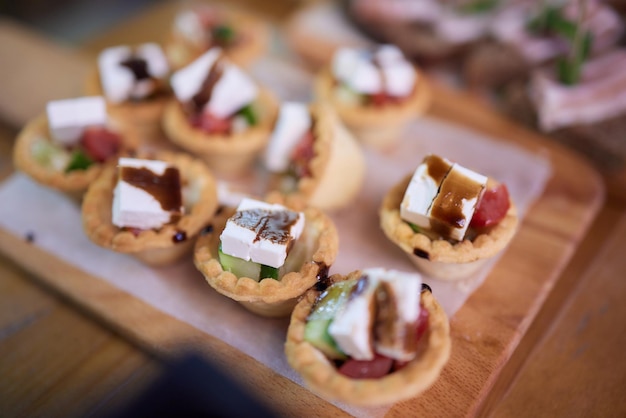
{"type": "Point", "coordinates": [199, 28]}
{"type": "Point", "coordinates": [65, 148]}
{"type": "Point", "coordinates": [151, 207]}
{"type": "Point", "coordinates": [373, 337]}
{"type": "Point", "coordinates": [375, 93]}
{"type": "Point", "coordinates": [448, 219]}
{"type": "Point", "coordinates": [134, 81]}
{"type": "Point", "coordinates": [313, 159]}
{"type": "Point", "coordinates": [265, 256]}
{"type": "Point", "coordinates": [219, 114]}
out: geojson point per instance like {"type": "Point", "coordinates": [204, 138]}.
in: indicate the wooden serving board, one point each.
{"type": "Point", "coordinates": [485, 331]}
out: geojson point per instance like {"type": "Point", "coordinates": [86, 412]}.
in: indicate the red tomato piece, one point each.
{"type": "Point", "coordinates": [367, 369]}
{"type": "Point", "coordinates": [302, 155]}
{"type": "Point", "coordinates": [379, 99]}
{"type": "Point", "coordinates": [100, 144]}
{"type": "Point", "coordinates": [492, 207]}
{"type": "Point", "coordinates": [211, 124]}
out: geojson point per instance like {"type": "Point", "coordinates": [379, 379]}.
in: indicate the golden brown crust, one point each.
{"type": "Point", "coordinates": [154, 247]}
{"type": "Point", "coordinates": [254, 40]}
{"type": "Point", "coordinates": [487, 244]}
{"type": "Point", "coordinates": [337, 168]}
{"type": "Point", "coordinates": [75, 182]}
{"type": "Point", "coordinates": [322, 376]}
{"type": "Point", "coordinates": [270, 297]}
{"type": "Point", "coordinates": [227, 155]}
{"type": "Point", "coordinates": [142, 119]}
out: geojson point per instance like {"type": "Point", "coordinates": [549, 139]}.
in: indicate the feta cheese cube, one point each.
{"type": "Point", "coordinates": [188, 81]}
{"type": "Point", "coordinates": [119, 82]}
{"type": "Point", "coordinates": [353, 325]}
{"type": "Point", "coordinates": [442, 197]}
{"type": "Point", "coordinates": [67, 119]}
{"type": "Point", "coordinates": [148, 198]}
{"type": "Point", "coordinates": [294, 120]}
{"type": "Point", "coordinates": [261, 232]}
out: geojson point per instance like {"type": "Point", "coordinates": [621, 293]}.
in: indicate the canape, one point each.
{"type": "Point", "coordinates": [65, 147]}
{"type": "Point", "coordinates": [151, 207]}
{"type": "Point", "coordinates": [201, 27]}
{"type": "Point", "coordinates": [265, 256]}
{"type": "Point", "coordinates": [219, 114]}
{"type": "Point", "coordinates": [134, 81]}
{"type": "Point", "coordinates": [448, 219]}
{"type": "Point", "coordinates": [373, 337]}
{"type": "Point", "coordinates": [313, 158]}
{"type": "Point", "coordinates": [376, 93]}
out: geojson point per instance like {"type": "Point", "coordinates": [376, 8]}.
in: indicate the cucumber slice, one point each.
{"type": "Point", "coordinates": [239, 267]}
{"type": "Point", "coordinates": [268, 272]}
{"type": "Point", "coordinates": [50, 155]}
{"type": "Point", "coordinates": [322, 315]}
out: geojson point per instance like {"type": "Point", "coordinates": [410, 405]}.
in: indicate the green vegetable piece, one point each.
{"type": "Point", "coordinates": [238, 266]}
{"type": "Point", "coordinates": [414, 227]}
{"type": "Point", "coordinates": [78, 161]}
{"type": "Point", "coordinates": [269, 272]}
{"type": "Point", "coordinates": [224, 33]}
{"type": "Point", "coordinates": [249, 114]}
{"type": "Point", "coordinates": [322, 315]}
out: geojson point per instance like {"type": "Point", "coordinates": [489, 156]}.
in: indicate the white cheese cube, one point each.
{"type": "Point", "coordinates": [294, 120]}
{"type": "Point", "coordinates": [188, 81]}
{"type": "Point", "coordinates": [353, 325]}
{"type": "Point", "coordinates": [67, 119]}
{"type": "Point", "coordinates": [422, 190]}
{"type": "Point", "coordinates": [399, 78]}
{"type": "Point", "coordinates": [135, 207]}
{"type": "Point", "coordinates": [355, 69]}
{"type": "Point", "coordinates": [250, 243]}
{"type": "Point", "coordinates": [234, 90]}
{"type": "Point", "coordinates": [158, 67]}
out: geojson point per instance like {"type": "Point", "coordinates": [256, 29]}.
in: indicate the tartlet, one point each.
{"type": "Point", "coordinates": [36, 134]}
{"type": "Point", "coordinates": [376, 125]}
{"type": "Point", "coordinates": [441, 258]}
{"type": "Point", "coordinates": [336, 169]}
{"type": "Point", "coordinates": [247, 40]}
{"type": "Point", "coordinates": [154, 247]}
{"type": "Point", "coordinates": [271, 297]}
{"type": "Point", "coordinates": [228, 155]}
{"type": "Point", "coordinates": [321, 374]}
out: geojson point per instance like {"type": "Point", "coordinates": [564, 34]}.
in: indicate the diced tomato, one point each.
{"type": "Point", "coordinates": [302, 155]}
{"type": "Point", "coordinates": [381, 99]}
{"type": "Point", "coordinates": [100, 144]}
{"type": "Point", "coordinates": [367, 369]}
{"type": "Point", "coordinates": [211, 124]}
{"type": "Point", "coordinates": [492, 207]}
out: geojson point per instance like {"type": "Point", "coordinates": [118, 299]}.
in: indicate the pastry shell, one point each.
{"type": "Point", "coordinates": [337, 169]}
{"type": "Point", "coordinates": [440, 258]}
{"type": "Point", "coordinates": [74, 183]}
{"type": "Point", "coordinates": [153, 247]}
{"type": "Point", "coordinates": [321, 376]}
{"type": "Point", "coordinates": [377, 126]}
{"type": "Point", "coordinates": [254, 40]}
{"type": "Point", "coordinates": [140, 118]}
{"type": "Point", "coordinates": [270, 297]}
{"type": "Point", "coordinates": [227, 155]}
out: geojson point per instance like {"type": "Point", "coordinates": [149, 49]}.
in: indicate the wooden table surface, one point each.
{"type": "Point", "coordinates": [59, 360]}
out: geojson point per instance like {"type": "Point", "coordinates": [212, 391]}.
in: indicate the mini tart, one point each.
{"type": "Point", "coordinates": [254, 36]}
{"type": "Point", "coordinates": [227, 155]}
{"type": "Point", "coordinates": [74, 183]}
{"type": "Point", "coordinates": [321, 376]}
{"type": "Point", "coordinates": [440, 258]}
{"type": "Point", "coordinates": [270, 297]}
{"type": "Point", "coordinates": [153, 247]}
{"type": "Point", "coordinates": [337, 169]}
{"type": "Point", "coordinates": [376, 126]}
{"type": "Point", "coordinates": [140, 118]}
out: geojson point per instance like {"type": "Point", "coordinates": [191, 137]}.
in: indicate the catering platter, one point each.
{"type": "Point", "coordinates": [559, 194]}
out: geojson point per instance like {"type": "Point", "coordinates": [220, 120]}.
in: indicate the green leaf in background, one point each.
{"type": "Point", "coordinates": [248, 113]}
{"type": "Point", "coordinates": [78, 161]}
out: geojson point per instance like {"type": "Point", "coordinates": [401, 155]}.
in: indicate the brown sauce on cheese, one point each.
{"type": "Point", "coordinates": [274, 226]}
{"type": "Point", "coordinates": [206, 90]}
{"type": "Point", "coordinates": [389, 329]}
{"type": "Point", "coordinates": [438, 168]}
{"type": "Point", "coordinates": [165, 188]}
{"type": "Point", "coordinates": [138, 66]}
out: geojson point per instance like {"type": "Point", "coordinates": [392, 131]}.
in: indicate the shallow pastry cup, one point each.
{"type": "Point", "coordinates": [270, 297]}
{"type": "Point", "coordinates": [74, 184]}
{"type": "Point", "coordinates": [153, 247]}
{"type": "Point", "coordinates": [254, 33]}
{"type": "Point", "coordinates": [228, 156]}
{"type": "Point", "coordinates": [337, 169]}
{"type": "Point", "coordinates": [377, 126]}
{"type": "Point", "coordinates": [140, 118]}
{"type": "Point", "coordinates": [321, 376]}
{"type": "Point", "coordinates": [440, 258]}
